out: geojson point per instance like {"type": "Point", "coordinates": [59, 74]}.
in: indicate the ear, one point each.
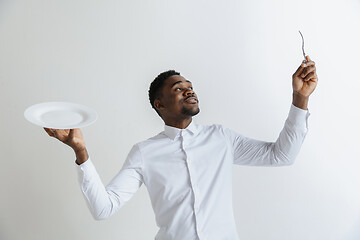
{"type": "Point", "coordinates": [158, 105]}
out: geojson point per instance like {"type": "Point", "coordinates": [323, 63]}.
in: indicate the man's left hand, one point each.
{"type": "Point", "coordinates": [304, 83]}
{"type": "Point", "coordinates": [305, 78]}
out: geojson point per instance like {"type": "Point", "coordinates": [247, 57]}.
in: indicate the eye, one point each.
{"type": "Point", "coordinates": [177, 89]}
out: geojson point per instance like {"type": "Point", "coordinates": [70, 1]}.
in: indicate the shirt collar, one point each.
{"type": "Point", "coordinates": [173, 132]}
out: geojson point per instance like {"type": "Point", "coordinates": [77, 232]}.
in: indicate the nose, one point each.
{"type": "Point", "coordinates": [189, 91]}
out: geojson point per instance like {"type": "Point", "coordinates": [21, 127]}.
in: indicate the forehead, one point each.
{"type": "Point", "coordinates": [176, 79]}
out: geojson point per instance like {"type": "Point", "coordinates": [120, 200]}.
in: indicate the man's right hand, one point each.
{"type": "Point", "coordinates": [72, 138]}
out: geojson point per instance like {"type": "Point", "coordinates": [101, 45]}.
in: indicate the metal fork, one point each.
{"type": "Point", "coordinates": [303, 46]}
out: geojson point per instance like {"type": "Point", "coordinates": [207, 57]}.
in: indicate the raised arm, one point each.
{"type": "Point", "coordinates": [284, 150]}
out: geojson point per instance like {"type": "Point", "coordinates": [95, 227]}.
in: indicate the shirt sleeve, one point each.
{"type": "Point", "coordinates": [253, 152]}
{"type": "Point", "coordinates": [104, 201]}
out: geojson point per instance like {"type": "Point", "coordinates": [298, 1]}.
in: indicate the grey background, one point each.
{"type": "Point", "coordinates": [240, 56]}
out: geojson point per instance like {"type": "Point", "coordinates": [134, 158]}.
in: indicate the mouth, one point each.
{"type": "Point", "coordinates": [191, 100]}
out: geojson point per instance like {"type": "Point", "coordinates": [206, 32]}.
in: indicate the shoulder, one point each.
{"type": "Point", "coordinates": [149, 143]}
{"type": "Point", "coordinates": [140, 149]}
{"type": "Point", "coordinates": [220, 129]}
{"type": "Point", "coordinates": [156, 138]}
{"type": "Point", "coordinates": [211, 128]}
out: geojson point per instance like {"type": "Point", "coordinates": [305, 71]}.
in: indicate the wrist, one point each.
{"type": "Point", "coordinates": [300, 101]}
{"type": "Point", "coordinates": [79, 149]}
{"type": "Point", "coordinates": [81, 156]}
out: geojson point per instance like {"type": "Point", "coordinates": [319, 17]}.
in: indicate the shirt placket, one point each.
{"type": "Point", "coordinates": [190, 166]}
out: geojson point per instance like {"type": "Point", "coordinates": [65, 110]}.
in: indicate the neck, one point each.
{"type": "Point", "coordinates": [178, 123]}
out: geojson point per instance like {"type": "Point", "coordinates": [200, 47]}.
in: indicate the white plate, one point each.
{"type": "Point", "coordinates": [60, 115]}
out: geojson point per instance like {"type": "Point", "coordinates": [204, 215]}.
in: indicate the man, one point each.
{"type": "Point", "coordinates": [187, 168]}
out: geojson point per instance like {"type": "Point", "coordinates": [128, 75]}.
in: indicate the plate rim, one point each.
{"type": "Point", "coordinates": [91, 112]}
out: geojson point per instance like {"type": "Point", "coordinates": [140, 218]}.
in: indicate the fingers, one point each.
{"type": "Point", "coordinates": [55, 133]}
{"type": "Point", "coordinates": [52, 132]}
{"type": "Point", "coordinates": [60, 134]}
{"type": "Point", "coordinates": [300, 69]}
{"type": "Point", "coordinates": [49, 131]}
{"type": "Point", "coordinates": [309, 62]}
{"type": "Point", "coordinates": [305, 68]}
{"type": "Point", "coordinates": [309, 73]}
{"type": "Point", "coordinates": [308, 70]}
{"type": "Point", "coordinates": [73, 132]}
{"type": "Point", "coordinates": [311, 76]}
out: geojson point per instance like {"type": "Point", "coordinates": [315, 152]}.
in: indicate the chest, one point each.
{"type": "Point", "coordinates": [173, 166]}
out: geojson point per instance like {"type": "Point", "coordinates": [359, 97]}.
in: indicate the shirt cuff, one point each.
{"type": "Point", "coordinates": [84, 170]}
{"type": "Point", "coordinates": [298, 116]}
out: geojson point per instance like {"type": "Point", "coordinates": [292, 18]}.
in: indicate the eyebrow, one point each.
{"type": "Point", "coordinates": [178, 82]}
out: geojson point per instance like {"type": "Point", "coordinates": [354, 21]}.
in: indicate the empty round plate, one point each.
{"type": "Point", "coordinates": [60, 115]}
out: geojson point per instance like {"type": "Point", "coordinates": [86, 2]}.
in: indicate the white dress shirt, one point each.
{"type": "Point", "coordinates": [188, 174]}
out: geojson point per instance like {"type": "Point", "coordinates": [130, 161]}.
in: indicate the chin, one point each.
{"type": "Point", "coordinates": [191, 111]}
{"type": "Point", "coordinates": [197, 111]}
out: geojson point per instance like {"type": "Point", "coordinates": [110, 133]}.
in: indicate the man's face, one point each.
{"type": "Point", "coordinates": [178, 98]}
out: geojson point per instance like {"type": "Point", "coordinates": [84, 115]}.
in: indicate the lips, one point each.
{"type": "Point", "coordinates": [191, 100]}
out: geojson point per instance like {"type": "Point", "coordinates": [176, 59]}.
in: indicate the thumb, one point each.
{"type": "Point", "coordinates": [76, 132]}
{"type": "Point", "coordinates": [72, 133]}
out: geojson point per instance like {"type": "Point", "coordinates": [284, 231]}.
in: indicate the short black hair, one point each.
{"type": "Point", "coordinates": [157, 85]}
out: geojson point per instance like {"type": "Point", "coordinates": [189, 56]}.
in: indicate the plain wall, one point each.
{"type": "Point", "coordinates": [240, 56]}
